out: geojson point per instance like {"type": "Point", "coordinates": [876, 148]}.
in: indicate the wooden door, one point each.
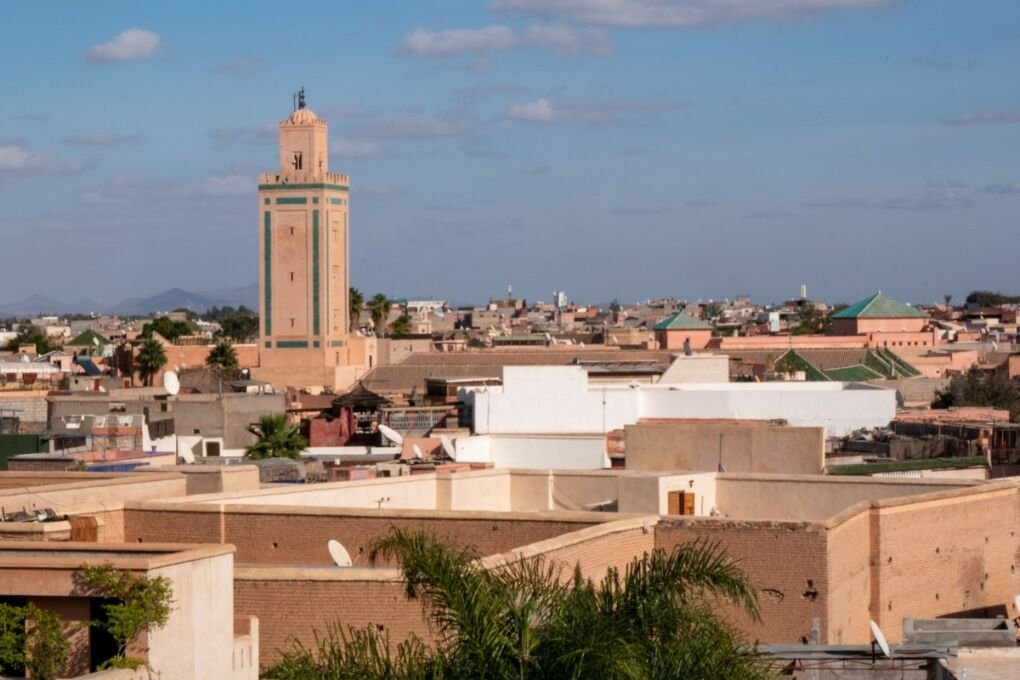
{"type": "Point", "coordinates": [680, 503]}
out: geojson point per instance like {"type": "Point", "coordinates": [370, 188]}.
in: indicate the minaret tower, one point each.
{"type": "Point", "coordinates": [303, 260]}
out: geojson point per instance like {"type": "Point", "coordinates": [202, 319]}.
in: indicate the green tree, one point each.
{"type": "Point", "coordinates": [29, 334]}
{"type": "Point", "coordinates": [151, 358]}
{"type": "Point", "coordinates": [42, 650]}
{"type": "Point", "coordinates": [987, 298]}
{"type": "Point", "coordinates": [379, 306]}
{"type": "Point", "coordinates": [142, 604]}
{"type": "Point", "coordinates": [813, 321]}
{"type": "Point", "coordinates": [222, 354]}
{"type": "Point", "coordinates": [240, 327]}
{"type": "Point", "coordinates": [47, 651]}
{"type": "Point", "coordinates": [981, 388]}
{"type": "Point", "coordinates": [276, 439]}
{"type": "Point", "coordinates": [171, 330]}
{"type": "Point", "coordinates": [401, 325]}
{"type": "Point", "coordinates": [656, 619]}
{"type": "Point", "coordinates": [713, 310]}
{"type": "Point", "coordinates": [357, 301]}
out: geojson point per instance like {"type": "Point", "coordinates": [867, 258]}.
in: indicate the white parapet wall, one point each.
{"type": "Point", "coordinates": [559, 400]}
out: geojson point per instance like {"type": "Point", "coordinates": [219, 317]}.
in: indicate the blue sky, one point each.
{"type": "Point", "coordinates": [609, 148]}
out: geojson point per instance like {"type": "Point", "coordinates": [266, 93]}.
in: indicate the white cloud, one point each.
{"type": "Point", "coordinates": [538, 111]}
{"type": "Point", "coordinates": [985, 118]}
{"type": "Point", "coordinates": [929, 201]}
{"type": "Point", "coordinates": [227, 185]}
{"type": "Point", "coordinates": [241, 66]}
{"type": "Point", "coordinates": [134, 44]}
{"type": "Point", "coordinates": [424, 43]}
{"type": "Point", "coordinates": [96, 198]}
{"type": "Point", "coordinates": [16, 159]}
{"type": "Point", "coordinates": [353, 148]}
{"type": "Point", "coordinates": [410, 126]}
{"type": "Point", "coordinates": [568, 41]}
{"type": "Point", "coordinates": [1007, 189]}
{"type": "Point", "coordinates": [591, 111]}
{"type": "Point", "coordinates": [13, 158]}
{"type": "Point", "coordinates": [561, 39]}
{"type": "Point", "coordinates": [101, 139]}
{"type": "Point", "coordinates": [675, 13]}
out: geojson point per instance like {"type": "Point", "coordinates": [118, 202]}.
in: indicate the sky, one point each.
{"type": "Point", "coordinates": [624, 149]}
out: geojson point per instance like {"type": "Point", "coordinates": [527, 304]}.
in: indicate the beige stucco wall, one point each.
{"type": "Point", "coordinates": [746, 447]}
{"type": "Point", "coordinates": [815, 497]}
{"type": "Point", "coordinates": [198, 640]}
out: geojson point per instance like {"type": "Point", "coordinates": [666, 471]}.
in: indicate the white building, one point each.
{"type": "Point", "coordinates": [551, 417]}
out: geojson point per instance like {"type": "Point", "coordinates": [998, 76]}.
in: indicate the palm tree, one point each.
{"type": "Point", "coordinates": [380, 306]}
{"type": "Point", "coordinates": [277, 439]}
{"type": "Point", "coordinates": [151, 358]}
{"type": "Point", "coordinates": [656, 619]}
{"type": "Point", "coordinates": [357, 301]}
{"type": "Point", "coordinates": [222, 354]}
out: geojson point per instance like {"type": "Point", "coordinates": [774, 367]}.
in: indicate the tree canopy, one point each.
{"type": "Point", "coordinates": [528, 619]}
{"type": "Point", "coordinates": [401, 325]}
{"type": "Point", "coordinates": [276, 439]}
{"type": "Point", "coordinates": [981, 388]}
{"type": "Point", "coordinates": [222, 354]}
{"type": "Point", "coordinates": [171, 330]}
{"type": "Point", "coordinates": [30, 334]}
{"type": "Point", "coordinates": [987, 298]}
{"type": "Point", "coordinates": [151, 358]}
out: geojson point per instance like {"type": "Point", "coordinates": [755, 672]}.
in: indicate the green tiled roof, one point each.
{"type": "Point", "coordinates": [858, 373]}
{"type": "Point", "coordinates": [682, 321]}
{"type": "Point", "coordinates": [87, 336]}
{"type": "Point", "coordinates": [878, 306]}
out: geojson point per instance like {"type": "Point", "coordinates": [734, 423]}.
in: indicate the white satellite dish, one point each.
{"type": "Point", "coordinates": [1016, 603]}
{"type": "Point", "coordinates": [451, 452]}
{"type": "Point", "coordinates": [338, 553]}
{"type": "Point", "coordinates": [417, 451]}
{"type": "Point", "coordinates": [171, 383]}
{"type": "Point", "coordinates": [391, 434]}
{"type": "Point", "coordinates": [880, 639]}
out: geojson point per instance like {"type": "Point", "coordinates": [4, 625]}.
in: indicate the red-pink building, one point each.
{"type": "Point", "coordinates": [674, 330]}
{"type": "Point", "coordinates": [878, 314]}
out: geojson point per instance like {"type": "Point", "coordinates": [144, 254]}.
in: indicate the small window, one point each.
{"type": "Point", "coordinates": [292, 231]}
{"type": "Point", "coordinates": [292, 276]}
{"type": "Point", "coordinates": [297, 160]}
{"type": "Point", "coordinates": [196, 431]}
{"type": "Point", "coordinates": [291, 322]}
{"type": "Point", "coordinates": [118, 408]}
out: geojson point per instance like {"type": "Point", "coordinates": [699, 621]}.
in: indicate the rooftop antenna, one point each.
{"type": "Point", "coordinates": [339, 553]}
{"type": "Point", "coordinates": [879, 640]}
{"type": "Point", "coordinates": [171, 383]}
{"type": "Point", "coordinates": [391, 434]}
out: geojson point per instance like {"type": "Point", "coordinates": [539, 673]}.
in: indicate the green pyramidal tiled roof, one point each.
{"type": "Point", "coordinates": [878, 306]}
{"type": "Point", "coordinates": [682, 321]}
{"type": "Point", "coordinates": [87, 336]}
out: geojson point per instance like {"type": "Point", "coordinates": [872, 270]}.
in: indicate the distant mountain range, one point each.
{"type": "Point", "coordinates": [175, 298]}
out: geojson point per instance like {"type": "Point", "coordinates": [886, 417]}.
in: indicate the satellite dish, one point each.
{"type": "Point", "coordinates": [338, 553]}
{"type": "Point", "coordinates": [1016, 602]}
{"type": "Point", "coordinates": [417, 451]}
{"type": "Point", "coordinates": [171, 383]}
{"type": "Point", "coordinates": [880, 640]}
{"type": "Point", "coordinates": [451, 452]}
{"type": "Point", "coordinates": [391, 434]}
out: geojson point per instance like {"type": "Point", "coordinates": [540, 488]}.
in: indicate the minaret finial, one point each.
{"type": "Point", "coordinates": [301, 98]}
